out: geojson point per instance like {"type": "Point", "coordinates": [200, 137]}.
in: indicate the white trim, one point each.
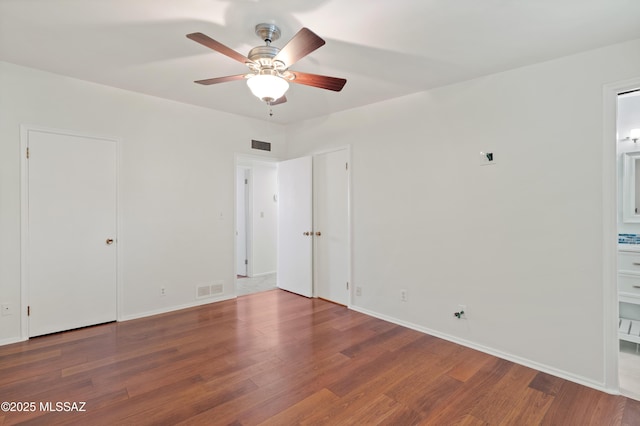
{"type": "Point", "coordinates": [24, 217]}
{"type": "Point", "coordinates": [11, 341]}
{"type": "Point", "coordinates": [262, 274]}
{"type": "Point", "coordinates": [610, 231]}
{"type": "Point", "coordinates": [176, 308]}
{"type": "Point", "coordinates": [24, 232]}
{"type": "Point", "coordinates": [503, 355]}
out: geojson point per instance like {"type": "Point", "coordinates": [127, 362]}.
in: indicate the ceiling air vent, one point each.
{"type": "Point", "coordinates": [263, 146]}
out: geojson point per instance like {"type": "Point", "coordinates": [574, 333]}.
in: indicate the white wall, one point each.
{"type": "Point", "coordinates": [518, 242]}
{"type": "Point", "coordinates": [176, 179]}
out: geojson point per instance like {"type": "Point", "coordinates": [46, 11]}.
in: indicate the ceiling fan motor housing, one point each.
{"type": "Point", "coordinates": [268, 32]}
{"type": "Point", "coordinates": [263, 56]}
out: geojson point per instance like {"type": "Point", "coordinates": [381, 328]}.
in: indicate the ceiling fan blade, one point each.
{"type": "Point", "coordinates": [304, 42]}
{"type": "Point", "coordinates": [217, 80]}
{"type": "Point", "coordinates": [279, 101]}
{"type": "Point", "coordinates": [218, 47]}
{"type": "Point", "coordinates": [321, 81]}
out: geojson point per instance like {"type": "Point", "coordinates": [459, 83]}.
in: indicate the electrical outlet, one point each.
{"type": "Point", "coordinates": [463, 311]}
{"type": "Point", "coordinates": [163, 291]}
{"type": "Point", "coordinates": [403, 295]}
{"type": "Point", "coordinates": [6, 309]}
{"type": "Point", "coordinates": [358, 291]}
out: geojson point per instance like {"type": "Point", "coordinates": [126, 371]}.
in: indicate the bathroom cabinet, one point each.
{"type": "Point", "coordinates": [629, 291]}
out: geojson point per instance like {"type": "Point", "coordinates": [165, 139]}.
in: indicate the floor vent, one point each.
{"type": "Point", "coordinates": [205, 290]}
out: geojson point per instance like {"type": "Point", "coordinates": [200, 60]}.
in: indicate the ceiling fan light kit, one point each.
{"type": "Point", "coordinates": [269, 74]}
{"type": "Point", "coordinates": [267, 87]}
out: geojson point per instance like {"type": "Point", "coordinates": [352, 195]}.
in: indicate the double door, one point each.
{"type": "Point", "coordinates": [313, 226]}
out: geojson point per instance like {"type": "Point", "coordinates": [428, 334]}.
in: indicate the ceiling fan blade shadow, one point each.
{"type": "Point", "coordinates": [218, 47]}
{"type": "Point", "coordinates": [321, 81]}
{"type": "Point", "coordinates": [418, 72]}
{"type": "Point", "coordinates": [304, 42]}
{"type": "Point", "coordinates": [217, 80]}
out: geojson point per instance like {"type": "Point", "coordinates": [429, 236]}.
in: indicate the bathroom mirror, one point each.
{"type": "Point", "coordinates": [631, 187]}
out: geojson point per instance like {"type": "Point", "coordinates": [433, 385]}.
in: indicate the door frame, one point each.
{"type": "Point", "coordinates": [239, 158]}
{"type": "Point", "coordinates": [248, 225]}
{"type": "Point", "coordinates": [610, 230]}
{"type": "Point", "coordinates": [24, 218]}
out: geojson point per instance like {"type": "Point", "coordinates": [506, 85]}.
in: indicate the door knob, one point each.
{"type": "Point", "coordinates": [318, 233]}
{"type": "Point", "coordinates": [109, 241]}
{"type": "Point", "coordinates": [306, 233]}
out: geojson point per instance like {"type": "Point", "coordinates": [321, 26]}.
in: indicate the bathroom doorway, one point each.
{"type": "Point", "coordinates": [628, 230]}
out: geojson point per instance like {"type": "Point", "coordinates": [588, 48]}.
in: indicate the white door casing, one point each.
{"type": "Point", "coordinates": [70, 254]}
{"type": "Point", "coordinates": [295, 268]}
{"type": "Point", "coordinates": [242, 176]}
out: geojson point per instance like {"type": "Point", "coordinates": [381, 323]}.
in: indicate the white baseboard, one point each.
{"type": "Point", "coordinates": [11, 340]}
{"type": "Point", "coordinates": [175, 308]}
{"type": "Point", "coordinates": [509, 357]}
{"type": "Point", "coordinates": [261, 274]}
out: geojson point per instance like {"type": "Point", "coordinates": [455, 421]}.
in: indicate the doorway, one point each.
{"type": "Point", "coordinates": [628, 229]}
{"type": "Point", "coordinates": [256, 224]}
{"type": "Point", "coordinates": [69, 242]}
{"type": "Point", "coordinates": [313, 231]}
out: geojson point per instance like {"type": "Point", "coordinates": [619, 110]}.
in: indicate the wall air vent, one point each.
{"type": "Point", "coordinates": [206, 290]}
{"type": "Point", "coordinates": [263, 146]}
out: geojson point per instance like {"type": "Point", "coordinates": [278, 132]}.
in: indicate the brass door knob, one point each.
{"type": "Point", "coordinates": [318, 233]}
{"type": "Point", "coordinates": [306, 233]}
{"type": "Point", "coordinates": [109, 241]}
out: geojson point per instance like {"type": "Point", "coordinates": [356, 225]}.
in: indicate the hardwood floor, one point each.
{"type": "Point", "coordinates": [275, 358]}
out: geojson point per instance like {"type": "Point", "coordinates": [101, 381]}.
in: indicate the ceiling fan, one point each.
{"type": "Point", "coordinates": [269, 74]}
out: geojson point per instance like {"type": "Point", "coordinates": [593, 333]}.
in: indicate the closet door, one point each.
{"type": "Point", "coordinates": [331, 225]}
{"type": "Point", "coordinates": [71, 225]}
{"type": "Point", "coordinates": [295, 226]}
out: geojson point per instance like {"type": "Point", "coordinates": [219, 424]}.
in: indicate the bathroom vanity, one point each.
{"type": "Point", "coordinates": [629, 291]}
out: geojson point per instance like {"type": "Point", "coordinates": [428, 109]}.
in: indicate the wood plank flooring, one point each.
{"type": "Point", "coordinates": [275, 358]}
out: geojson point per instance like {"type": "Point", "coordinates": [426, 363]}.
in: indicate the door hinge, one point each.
{"type": "Point", "coordinates": [346, 166]}
{"type": "Point", "coordinates": [347, 285]}
{"type": "Point", "coordinates": [246, 261]}
{"type": "Point", "coordinates": [27, 153]}
{"type": "Point", "coordinates": [28, 310]}
{"type": "Point", "coordinates": [246, 181]}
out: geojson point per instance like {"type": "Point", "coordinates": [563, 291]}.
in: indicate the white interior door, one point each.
{"type": "Point", "coordinates": [71, 250]}
{"type": "Point", "coordinates": [241, 221]}
{"type": "Point", "coordinates": [331, 225]}
{"type": "Point", "coordinates": [294, 272]}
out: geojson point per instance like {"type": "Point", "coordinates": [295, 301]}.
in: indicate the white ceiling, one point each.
{"type": "Point", "coordinates": [384, 48]}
